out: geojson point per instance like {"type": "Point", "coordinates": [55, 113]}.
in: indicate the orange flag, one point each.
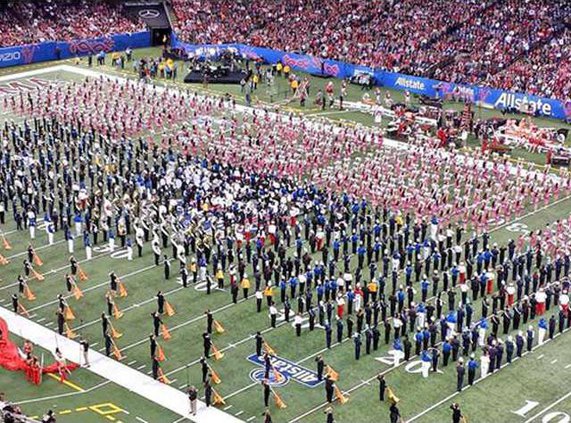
{"type": "Point", "coordinates": [3, 260]}
{"type": "Point", "coordinates": [23, 310]}
{"type": "Point", "coordinates": [169, 309]}
{"type": "Point", "coordinates": [69, 332]}
{"type": "Point", "coordinates": [215, 377]}
{"type": "Point", "coordinates": [117, 314]}
{"type": "Point", "coordinates": [218, 327]}
{"type": "Point", "coordinates": [68, 313]}
{"type": "Point", "coordinates": [332, 373]}
{"type": "Point", "coordinates": [277, 375]}
{"type": "Point", "coordinates": [160, 353]}
{"type": "Point", "coordinates": [77, 293]}
{"type": "Point", "coordinates": [82, 274]}
{"type": "Point", "coordinates": [37, 260]}
{"type": "Point", "coordinates": [37, 275]}
{"type": "Point", "coordinates": [7, 245]}
{"type": "Point", "coordinates": [339, 396]}
{"type": "Point", "coordinates": [165, 332]}
{"type": "Point", "coordinates": [28, 293]}
{"type": "Point", "coordinates": [269, 349]}
{"type": "Point", "coordinates": [217, 354]}
{"type": "Point", "coordinates": [279, 402]}
{"type": "Point", "coordinates": [163, 378]}
{"type": "Point", "coordinates": [122, 290]}
{"type": "Point", "coordinates": [114, 333]}
{"type": "Point", "coordinates": [216, 398]}
{"type": "Point", "coordinates": [117, 352]}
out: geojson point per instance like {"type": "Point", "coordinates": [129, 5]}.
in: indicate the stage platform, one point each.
{"type": "Point", "coordinates": [229, 78]}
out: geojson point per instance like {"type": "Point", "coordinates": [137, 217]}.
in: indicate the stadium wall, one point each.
{"type": "Point", "coordinates": [33, 53]}
{"type": "Point", "coordinates": [483, 96]}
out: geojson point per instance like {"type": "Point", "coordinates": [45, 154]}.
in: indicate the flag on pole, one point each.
{"type": "Point", "coordinates": [3, 260]}
{"type": "Point", "coordinates": [122, 290]}
{"type": "Point", "coordinates": [217, 354]}
{"type": "Point", "coordinates": [37, 260]}
{"type": "Point", "coordinates": [37, 275]}
{"type": "Point", "coordinates": [278, 400]}
{"type": "Point", "coordinates": [269, 349]}
{"type": "Point", "coordinates": [160, 353]}
{"type": "Point", "coordinates": [339, 396]}
{"type": "Point", "coordinates": [163, 378]}
{"type": "Point", "coordinates": [117, 352]}
{"type": "Point", "coordinates": [117, 314]}
{"type": "Point", "coordinates": [28, 293]}
{"type": "Point", "coordinates": [69, 332]}
{"type": "Point", "coordinates": [6, 244]}
{"type": "Point", "coordinates": [23, 310]}
{"type": "Point", "coordinates": [215, 377]}
{"type": "Point", "coordinates": [216, 398]}
{"type": "Point", "coordinates": [218, 327]}
{"type": "Point", "coordinates": [165, 332]}
{"type": "Point", "coordinates": [77, 293]}
{"type": "Point", "coordinates": [333, 375]}
{"type": "Point", "coordinates": [82, 275]}
{"type": "Point", "coordinates": [114, 333]}
{"type": "Point", "coordinates": [391, 397]}
{"type": "Point", "coordinates": [68, 313]}
{"type": "Point", "coordinates": [169, 309]}
{"type": "Point", "coordinates": [277, 375]}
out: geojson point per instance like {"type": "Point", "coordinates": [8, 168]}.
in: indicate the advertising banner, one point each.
{"type": "Point", "coordinates": [33, 53]}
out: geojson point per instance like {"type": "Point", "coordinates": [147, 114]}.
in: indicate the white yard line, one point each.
{"type": "Point", "coordinates": [546, 409]}
{"type": "Point", "coordinates": [188, 322]}
{"type": "Point", "coordinates": [163, 395]}
{"type": "Point", "coordinates": [94, 287]}
{"type": "Point", "coordinates": [69, 394]}
{"type": "Point", "coordinates": [59, 269]}
{"type": "Point", "coordinates": [448, 398]}
{"type": "Point", "coordinates": [40, 248]}
{"type": "Point", "coordinates": [131, 307]}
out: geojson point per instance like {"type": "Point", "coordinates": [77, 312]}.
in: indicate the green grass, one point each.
{"type": "Point", "coordinates": [241, 321]}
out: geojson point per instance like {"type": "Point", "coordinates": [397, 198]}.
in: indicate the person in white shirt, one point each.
{"type": "Point", "coordinates": [273, 315]}
{"type": "Point", "coordinates": [484, 364]}
{"type": "Point", "coordinates": [298, 320]}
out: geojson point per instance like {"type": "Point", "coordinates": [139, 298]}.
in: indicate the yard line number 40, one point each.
{"type": "Point", "coordinates": [552, 417]}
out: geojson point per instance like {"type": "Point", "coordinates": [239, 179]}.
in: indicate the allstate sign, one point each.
{"type": "Point", "coordinates": [287, 369]}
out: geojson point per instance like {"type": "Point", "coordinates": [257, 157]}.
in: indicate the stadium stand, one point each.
{"type": "Point", "coordinates": [27, 22]}
{"type": "Point", "coordinates": [494, 42]}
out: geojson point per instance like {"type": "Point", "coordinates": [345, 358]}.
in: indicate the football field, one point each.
{"type": "Point", "coordinates": [533, 388]}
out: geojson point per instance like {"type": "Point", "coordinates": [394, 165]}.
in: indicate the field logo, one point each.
{"type": "Point", "coordinates": [285, 368]}
{"type": "Point", "coordinates": [257, 375]}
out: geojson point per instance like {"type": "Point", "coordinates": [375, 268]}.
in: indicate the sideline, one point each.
{"type": "Point", "coordinates": [145, 386]}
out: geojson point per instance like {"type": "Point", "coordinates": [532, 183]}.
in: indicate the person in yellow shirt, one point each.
{"type": "Point", "coordinates": [279, 68]}
{"type": "Point", "coordinates": [255, 80]}
{"type": "Point", "coordinates": [373, 287]}
{"type": "Point", "coordinates": [269, 294]}
{"type": "Point", "coordinates": [245, 284]}
{"type": "Point", "coordinates": [294, 84]}
{"type": "Point", "coordinates": [287, 70]}
{"type": "Point", "coordinates": [220, 277]}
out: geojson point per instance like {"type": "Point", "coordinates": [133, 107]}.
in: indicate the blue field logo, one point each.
{"type": "Point", "coordinates": [287, 369]}
{"type": "Point", "coordinates": [257, 375]}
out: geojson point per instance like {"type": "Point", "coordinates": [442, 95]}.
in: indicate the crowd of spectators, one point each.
{"type": "Point", "coordinates": [521, 45]}
{"type": "Point", "coordinates": [545, 72]}
{"type": "Point", "coordinates": [29, 21]}
{"type": "Point", "coordinates": [464, 41]}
